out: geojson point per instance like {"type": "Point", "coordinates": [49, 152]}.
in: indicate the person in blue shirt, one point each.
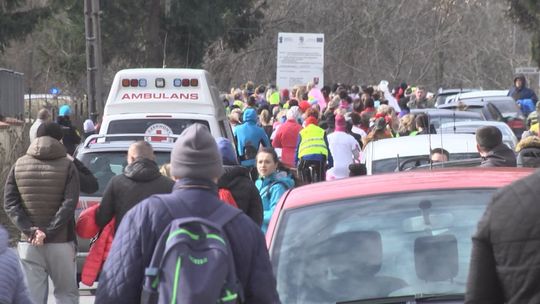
{"type": "Point", "coordinates": [272, 183]}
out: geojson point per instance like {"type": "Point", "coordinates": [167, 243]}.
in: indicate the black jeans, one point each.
{"type": "Point", "coordinates": [318, 167]}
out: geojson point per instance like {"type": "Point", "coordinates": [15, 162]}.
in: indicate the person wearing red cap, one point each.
{"type": "Point", "coordinates": [304, 106]}
{"type": "Point", "coordinates": [312, 151]}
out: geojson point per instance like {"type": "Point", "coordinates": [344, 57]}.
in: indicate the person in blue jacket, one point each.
{"type": "Point", "coordinates": [520, 91]}
{"type": "Point", "coordinates": [196, 166]}
{"type": "Point", "coordinates": [249, 137]}
{"type": "Point", "coordinates": [271, 182]}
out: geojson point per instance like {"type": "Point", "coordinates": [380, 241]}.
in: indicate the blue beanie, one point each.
{"type": "Point", "coordinates": [65, 110]}
{"type": "Point", "coordinates": [226, 149]}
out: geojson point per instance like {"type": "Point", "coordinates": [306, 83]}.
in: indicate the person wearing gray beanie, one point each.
{"type": "Point", "coordinates": [195, 155]}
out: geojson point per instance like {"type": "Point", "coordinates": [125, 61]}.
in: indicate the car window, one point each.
{"type": "Point", "coordinates": [379, 246]}
{"type": "Point", "coordinates": [105, 165]}
{"type": "Point", "coordinates": [495, 114]}
{"type": "Point", "coordinates": [146, 126]}
{"type": "Point", "coordinates": [390, 164]}
{"type": "Point", "coordinates": [507, 107]}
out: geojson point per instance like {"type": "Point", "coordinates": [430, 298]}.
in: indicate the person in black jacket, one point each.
{"type": "Point", "coordinates": [505, 264]}
{"type": "Point", "coordinates": [87, 180]}
{"type": "Point", "coordinates": [71, 136]}
{"type": "Point", "coordinates": [237, 180]}
{"type": "Point", "coordinates": [141, 179]}
{"type": "Point", "coordinates": [493, 151]}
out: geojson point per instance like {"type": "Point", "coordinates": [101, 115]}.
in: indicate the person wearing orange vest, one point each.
{"type": "Point", "coordinates": [312, 151]}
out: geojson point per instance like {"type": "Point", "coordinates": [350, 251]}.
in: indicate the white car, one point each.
{"type": "Point", "coordinates": [470, 127]}
{"type": "Point", "coordinates": [476, 95]}
{"type": "Point", "coordinates": [385, 155]}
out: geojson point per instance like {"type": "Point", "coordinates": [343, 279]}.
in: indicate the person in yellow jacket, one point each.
{"type": "Point", "coordinates": [312, 151]}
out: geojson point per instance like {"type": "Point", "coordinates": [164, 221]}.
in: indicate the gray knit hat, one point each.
{"type": "Point", "coordinates": [195, 154]}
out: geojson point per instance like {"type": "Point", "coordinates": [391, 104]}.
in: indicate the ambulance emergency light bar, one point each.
{"type": "Point", "coordinates": [160, 82]}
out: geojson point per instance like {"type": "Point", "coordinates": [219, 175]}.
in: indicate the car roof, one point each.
{"type": "Point", "coordinates": [117, 142]}
{"type": "Point", "coordinates": [408, 181]}
{"type": "Point", "coordinates": [420, 145]}
{"type": "Point", "coordinates": [454, 91]}
{"type": "Point", "coordinates": [480, 94]}
{"type": "Point", "coordinates": [446, 112]}
{"type": "Point", "coordinates": [475, 123]}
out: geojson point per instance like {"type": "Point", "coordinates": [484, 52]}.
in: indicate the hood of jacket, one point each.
{"type": "Point", "coordinates": [142, 170]}
{"type": "Point", "coordinates": [250, 116]}
{"type": "Point", "coordinates": [278, 177]}
{"type": "Point", "coordinates": [46, 148]}
{"type": "Point", "coordinates": [528, 142]}
{"type": "Point", "coordinates": [523, 80]}
{"type": "Point", "coordinates": [4, 240]}
{"type": "Point", "coordinates": [501, 156]}
{"type": "Point", "coordinates": [231, 174]}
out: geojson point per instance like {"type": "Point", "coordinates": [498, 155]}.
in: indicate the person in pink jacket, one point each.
{"type": "Point", "coordinates": [287, 137]}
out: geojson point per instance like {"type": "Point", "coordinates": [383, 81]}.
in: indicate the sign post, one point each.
{"type": "Point", "coordinates": [300, 59]}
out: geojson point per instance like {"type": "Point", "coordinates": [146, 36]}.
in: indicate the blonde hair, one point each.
{"type": "Point", "coordinates": [235, 116]}
{"type": "Point", "coordinates": [165, 170]}
{"type": "Point", "coordinates": [407, 124]}
{"type": "Point", "coordinates": [264, 118]}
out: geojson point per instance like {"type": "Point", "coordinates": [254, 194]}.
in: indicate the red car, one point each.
{"type": "Point", "coordinates": [391, 237]}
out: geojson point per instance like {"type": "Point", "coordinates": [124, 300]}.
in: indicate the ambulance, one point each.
{"type": "Point", "coordinates": [162, 102]}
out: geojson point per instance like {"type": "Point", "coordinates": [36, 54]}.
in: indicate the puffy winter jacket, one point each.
{"type": "Point", "coordinates": [87, 228]}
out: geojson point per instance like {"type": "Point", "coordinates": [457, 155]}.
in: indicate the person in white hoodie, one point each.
{"type": "Point", "coordinates": [344, 148]}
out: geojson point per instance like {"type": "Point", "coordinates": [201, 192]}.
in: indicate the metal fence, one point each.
{"type": "Point", "coordinates": [11, 93]}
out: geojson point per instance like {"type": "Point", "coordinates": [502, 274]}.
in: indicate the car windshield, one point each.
{"type": "Point", "coordinates": [436, 121]}
{"type": "Point", "coordinates": [390, 164]}
{"type": "Point", "coordinates": [376, 247]}
{"type": "Point", "coordinates": [105, 165]}
{"type": "Point", "coordinates": [151, 126]}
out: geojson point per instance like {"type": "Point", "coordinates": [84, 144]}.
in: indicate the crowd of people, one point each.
{"type": "Point", "coordinates": [282, 139]}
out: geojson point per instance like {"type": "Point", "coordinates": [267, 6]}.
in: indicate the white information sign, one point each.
{"type": "Point", "coordinates": [300, 59]}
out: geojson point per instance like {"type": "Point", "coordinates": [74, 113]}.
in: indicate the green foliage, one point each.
{"type": "Point", "coordinates": [15, 23]}
{"type": "Point", "coordinates": [526, 13]}
{"type": "Point", "coordinates": [134, 37]}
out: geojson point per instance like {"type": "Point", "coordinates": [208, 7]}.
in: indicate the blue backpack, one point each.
{"type": "Point", "coordinates": [193, 262]}
{"type": "Point", "coordinates": [526, 105]}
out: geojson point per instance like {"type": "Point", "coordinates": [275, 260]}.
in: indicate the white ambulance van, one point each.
{"type": "Point", "coordinates": [163, 102]}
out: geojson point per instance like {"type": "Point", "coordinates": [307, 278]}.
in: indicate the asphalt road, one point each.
{"type": "Point", "coordinates": [85, 295]}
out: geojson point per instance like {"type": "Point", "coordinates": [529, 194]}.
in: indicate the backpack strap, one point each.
{"type": "Point", "coordinates": [223, 214]}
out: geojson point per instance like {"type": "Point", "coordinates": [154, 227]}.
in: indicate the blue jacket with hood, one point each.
{"type": "Point", "coordinates": [13, 287]}
{"type": "Point", "coordinates": [249, 132]}
{"type": "Point", "coordinates": [122, 275]}
{"type": "Point", "coordinates": [271, 189]}
{"type": "Point", "coordinates": [522, 93]}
